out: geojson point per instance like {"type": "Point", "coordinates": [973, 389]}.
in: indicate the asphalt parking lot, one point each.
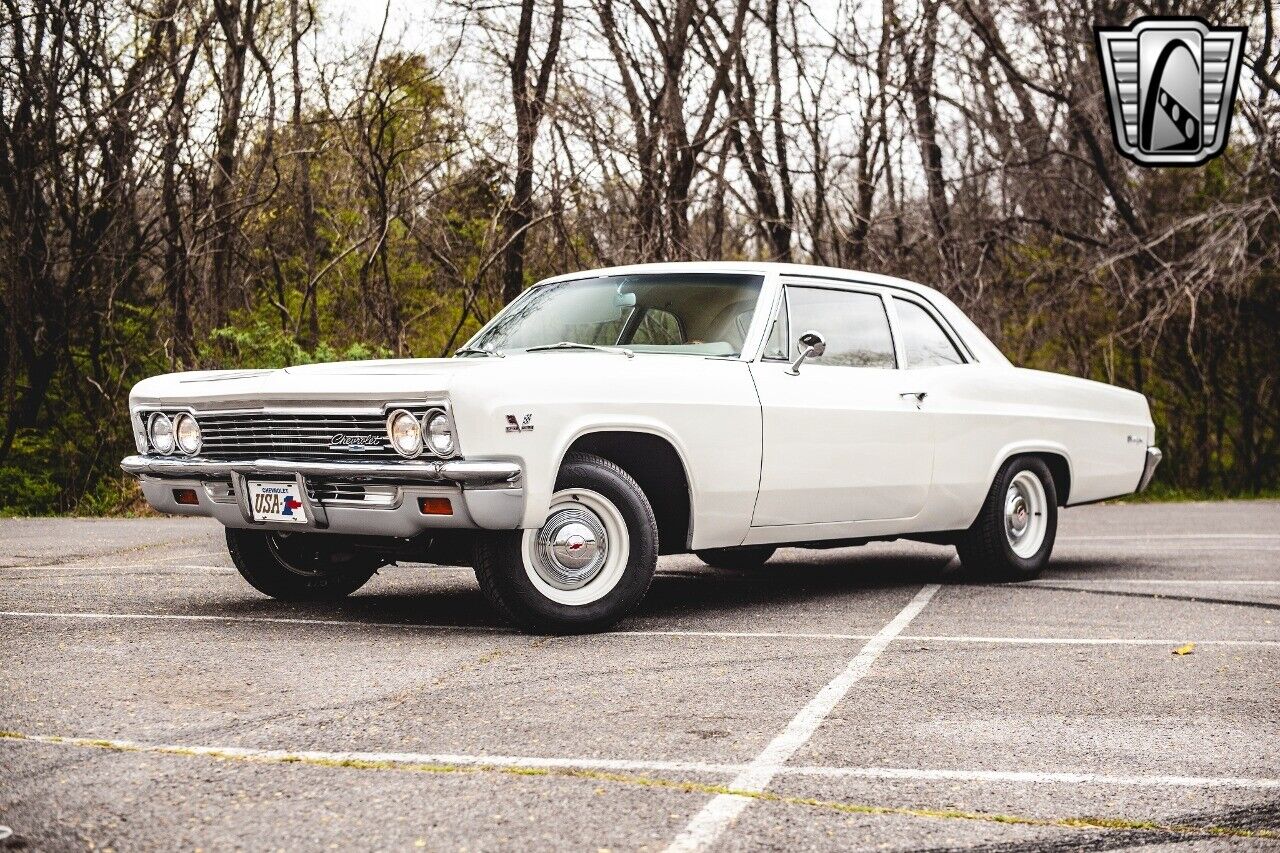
{"type": "Point", "coordinates": [847, 699]}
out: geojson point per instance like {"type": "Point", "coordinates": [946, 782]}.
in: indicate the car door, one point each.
{"type": "Point", "coordinates": [964, 443]}
{"type": "Point", "coordinates": [844, 440]}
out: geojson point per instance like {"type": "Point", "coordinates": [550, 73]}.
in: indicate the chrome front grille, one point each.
{"type": "Point", "coordinates": [259, 435]}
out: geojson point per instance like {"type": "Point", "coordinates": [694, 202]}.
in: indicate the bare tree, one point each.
{"type": "Point", "coordinates": [528, 103]}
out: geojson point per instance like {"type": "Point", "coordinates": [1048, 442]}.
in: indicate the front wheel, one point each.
{"type": "Point", "coordinates": [300, 566]}
{"type": "Point", "coordinates": [1015, 530]}
{"type": "Point", "coordinates": [589, 564]}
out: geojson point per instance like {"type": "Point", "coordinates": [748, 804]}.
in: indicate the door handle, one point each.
{"type": "Point", "coordinates": [917, 396]}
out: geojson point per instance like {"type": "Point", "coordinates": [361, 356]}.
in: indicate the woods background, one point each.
{"type": "Point", "coordinates": [216, 183]}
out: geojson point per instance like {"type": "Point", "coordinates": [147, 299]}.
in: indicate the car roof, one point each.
{"type": "Point", "coordinates": [761, 267]}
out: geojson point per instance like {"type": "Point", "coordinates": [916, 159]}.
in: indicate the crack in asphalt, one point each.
{"type": "Point", "coordinates": [1197, 599]}
{"type": "Point", "coordinates": [1262, 817]}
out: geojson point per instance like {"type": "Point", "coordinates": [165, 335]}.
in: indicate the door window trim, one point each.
{"type": "Point", "coordinates": [839, 283]}
{"type": "Point", "coordinates": [852, 287]}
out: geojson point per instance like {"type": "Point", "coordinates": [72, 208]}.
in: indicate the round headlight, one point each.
{"type": "Point", "coordinates": [440, 434]}
{"type": "Point", "coordinates": [405, 433]}
{"type": "Point", "coordinates": [160, 431]}
{"type": "Point", "coordinates": [188, 434]}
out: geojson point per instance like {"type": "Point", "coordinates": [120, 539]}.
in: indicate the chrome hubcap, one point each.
{"type": "Point", "coordinates": [1025, 508]}
{"type": "Point", "coordinates": [571, 548]}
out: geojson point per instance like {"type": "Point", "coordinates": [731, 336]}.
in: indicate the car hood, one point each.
{"type": "Point", "coordinates": [345, 381]}
{"type": "Point", "coordinates": [356, 383]}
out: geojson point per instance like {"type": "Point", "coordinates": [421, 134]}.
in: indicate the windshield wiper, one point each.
{"type": "Point", "coordinates": [571, 345]}
{"type": "Point", "coordinates": [480, 351]}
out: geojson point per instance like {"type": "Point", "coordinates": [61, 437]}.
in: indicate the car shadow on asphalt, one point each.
{"type": "Point", "coordinates": [685, 589]}
{"type": "Point", "coordinates": [458, 603]}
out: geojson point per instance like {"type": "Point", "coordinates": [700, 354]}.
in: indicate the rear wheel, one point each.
{"type": "Point", "coordinates": [589, 564]}
{"type": "Point", "coordinates": [1013, 535]}
{"type": "Point", "coordinates": [740, 559]}
{"type": "Point", "coordinates": [300, 566]}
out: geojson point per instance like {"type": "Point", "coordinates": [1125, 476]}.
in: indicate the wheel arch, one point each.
{"type": "Point", "coordinates": [1054, 455]}
{"type": "Point", "coordinates": [657, 465]}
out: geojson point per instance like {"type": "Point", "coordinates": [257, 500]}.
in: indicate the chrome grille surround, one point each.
{"type": "Point", "coordinates": [304, 434]}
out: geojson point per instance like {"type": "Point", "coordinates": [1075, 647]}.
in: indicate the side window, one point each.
{"type": "Point", "coordinates": [855, 325]}
{"type": "Point", "coordinates": [777, 347]}
{"type": "Point", "coordinates": [658, 327]}
{"type": "Point", "coordinates": [923, 341]}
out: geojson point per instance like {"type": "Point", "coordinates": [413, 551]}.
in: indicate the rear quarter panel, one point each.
{"type": "Point", "coordinates": [984, 415]}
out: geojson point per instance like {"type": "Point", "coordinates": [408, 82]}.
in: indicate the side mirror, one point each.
{"type": "Point", "coordinates": [812, 345]}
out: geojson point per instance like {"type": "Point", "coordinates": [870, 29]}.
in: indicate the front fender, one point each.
{"type": "Point", "coordinates": [589, 425]}
{"type": "Point", "coordinates": [707, 410]}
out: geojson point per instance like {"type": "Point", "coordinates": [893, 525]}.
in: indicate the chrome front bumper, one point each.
{"type": "Point", "coordinates": [484, 494]}
{"type": "Point", "coordinates": [1154, 455]}
{"type": "Point", "coordinates": [453, 471]}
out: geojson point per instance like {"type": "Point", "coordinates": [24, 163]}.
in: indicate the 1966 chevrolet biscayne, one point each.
{"type": "Point", "coordinates": [606, 417]}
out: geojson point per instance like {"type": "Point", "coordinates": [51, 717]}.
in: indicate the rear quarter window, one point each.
{"type": "Point", "coordinates": [924, 342]}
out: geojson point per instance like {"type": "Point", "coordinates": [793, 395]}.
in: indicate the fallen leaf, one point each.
{"type": "Point", "coordinates": [1185, 650]}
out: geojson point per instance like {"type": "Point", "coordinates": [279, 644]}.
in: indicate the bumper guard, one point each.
{"type": "Point", "coordinates": [1154, 455]}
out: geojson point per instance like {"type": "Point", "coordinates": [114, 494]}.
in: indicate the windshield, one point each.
{"type": "Point", "coordinates": [690, 313]}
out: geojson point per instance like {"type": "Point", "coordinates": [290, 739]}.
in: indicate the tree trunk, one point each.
{"type": "Point", "coordinates": [528, 105]}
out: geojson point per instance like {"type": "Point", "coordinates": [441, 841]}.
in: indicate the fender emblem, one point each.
{"type": "Point", "coordinates": [525, 425]}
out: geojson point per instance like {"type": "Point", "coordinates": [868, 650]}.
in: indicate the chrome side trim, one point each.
{"type": "Point", "coordinates": [466, 472]}
{"type": "Point", "coordinates": [1154, 455]}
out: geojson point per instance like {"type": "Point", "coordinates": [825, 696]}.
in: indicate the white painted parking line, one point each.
{"type": "Point", "coordinates": [1146, 581]}
{"type": "Point", "coordinates": [1214, 547]}
{"type": "Point", "coordinates": [945, 638]}
{"type": "Point", "coordinates": [1033, 777]}
{"type": "Point", "coordinates": [1157, 537]}
{"type": "Point", "coordinates": [623, 765]}
{"type": "Point", "coordinates": [693, 633]}
{"type": "Point", "coordinates": [284, 620]}
{"type": "Point", "coordinates": [1080, 641]}
{"type": "Point", "coordinates": [147, 564]}
{"type": "Point", "coordinates": [723, 809]}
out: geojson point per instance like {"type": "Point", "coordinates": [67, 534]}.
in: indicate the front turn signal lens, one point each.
{"type": "Point", "coordinates": [435, 506]}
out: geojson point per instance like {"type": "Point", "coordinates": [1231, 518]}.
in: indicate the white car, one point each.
{"type": "Point", "coordinates": [607, 417]}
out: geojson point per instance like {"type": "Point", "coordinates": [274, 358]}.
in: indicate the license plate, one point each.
{"type": "Point", "coordinates": [276, 502]}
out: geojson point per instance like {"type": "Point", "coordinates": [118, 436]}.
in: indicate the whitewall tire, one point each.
{"type": "Point", "coordinates": [587, 566]}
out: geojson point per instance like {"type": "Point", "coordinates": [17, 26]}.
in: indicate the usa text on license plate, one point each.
{"type": "Point", "coordinates": [276, 502]}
